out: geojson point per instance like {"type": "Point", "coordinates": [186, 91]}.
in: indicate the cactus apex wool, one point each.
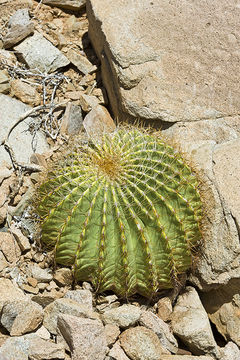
{"type": "Point", "coordinates": [124, 213]}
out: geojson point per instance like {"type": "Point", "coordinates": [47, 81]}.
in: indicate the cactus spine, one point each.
{"type": "Point", "coordinates": [124, 214]}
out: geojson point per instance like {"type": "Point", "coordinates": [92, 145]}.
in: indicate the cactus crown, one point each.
{"type": "Point", "coordinates": [123, 213]}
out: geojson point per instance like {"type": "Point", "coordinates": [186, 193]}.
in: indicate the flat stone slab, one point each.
{"type": "Point", "coordinates": [20, 139]}
{"type": "Point", "coordinates": [168, 61]}
{"type": "Point", "coordinates": [66, 4]}
{"type": "Point", "coordinates": [41, 54]}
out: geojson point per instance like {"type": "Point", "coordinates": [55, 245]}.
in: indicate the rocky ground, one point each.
{"type": "Point", "coordinates": [51, 89]}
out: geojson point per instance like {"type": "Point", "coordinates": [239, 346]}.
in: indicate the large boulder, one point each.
{"type": "Point", "coordinates": [167, 60]}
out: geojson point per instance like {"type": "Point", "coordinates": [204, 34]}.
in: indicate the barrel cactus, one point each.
{"type": "Point", "coordinates": [124, 213]}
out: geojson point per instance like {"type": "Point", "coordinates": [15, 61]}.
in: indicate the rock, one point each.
{"type": "Point", "coordinates": [88, 102]}
{"type": "Point", "coordinates": [25, 92]}
{"type": "Point", "coordinates": [117, 353]}
{"type": "Point", "coordinates": [20, 139]}
{"type": "Point", "coordinates": [81, 296]}
{"type": "Point", "coordinates": [123, 316]}
{"type": "Point", "coordinates": [190, 323]}
{"type": "Point", "coordinates": [220, 249]}
{"type": "Point", "coordinates": [161, 329]}
{"type": "Point", "coordinates": [30, 289]}
{"type": "Point", "coordinates": [5, 173]}
{"type": "Point", "coordinates": [3, 262]}
{"type": "Point", "coordinates": [81, 62]}
{"type": "Point", "coordinates": [140, 343]}
{"type": "Point", "coordinates": [143, 67]}
{"type": "Point", "coordinates": [9, 247]}
{"type": "Point", "coordinates": [164, 308]}
{"type": "Point", "coordinates": [230, 352]}
{"type": "Point", "coordinates": [20, 27]}
{"type": "Point", "coordinates": [112, 332]}
{"type": "Point", "coordinates": [4, 82]}
{"type": "Point", "coordinates": [98, 121]}
{"type": "Point", "coordinates": [72, 121]}
{"type": "Point", "coordinates": [41, 275]}
{"type": "Point", "coordinates": [9, 292]}
{"type": "Point", "coordinates": [43, 333]}
{"type": "Point", "coordinates": [21, 316]}
{"type": "Point", "coordinates": [185, 357]}
{"type": "Point", "coordinates": [21, 239]}
{"type": "Point", "coordinates": [7, 57]}
{"type": "Point", "coordinates": [64, 306]}
{"type": "Point", "coordinates": [222, 306]}
{"type": "Point", "coordinates": [43, 300]}
{"type": "Point", "coordinates": [85, 337]}
{"type": "Point", "coordinates": [40, 54]}
{"type": "Point", "coordinates": [41, 349]}
{"type": "Point", "coordinates": [67, 4]}
{"type": "Point", "coordinates": [31, 347]}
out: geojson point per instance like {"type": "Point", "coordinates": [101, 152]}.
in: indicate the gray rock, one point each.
{"type": "Point", "coordinates": [66, 4]}
{"type": "Point", "coordinates": [140, 343]}
{"type": "Point", "coordinates": [41, 275]}
{"type": "Point", "coordinates": [20, 139]}
{"type": "Point", "coordinates": [123, 316]}
{"type": "Point", "coordinates": [4, 82]}
{"type": "Point", "coordinates": [20, 27]}
{"type": "Point", "coordinates": [81, 62]}
{"type": "Point", "coordinates": [40, 54]}
{"type": "Point", "coordinates": [230, 352]}
{"type": "Point", "coordinates": [85, 337]}
{"type": "Point", "coordinates": [157, 63]}
{"type": "Point", "coordinates": [64, 306]}
{"type": "Point", "coordinates": [21, 316]}
{"type": "Point", "coordinates": [161, 329]}
{"type": "Point", "coordinates": [190, 323]}
{"type": "Point", "coordinates": [81, 296]}
{"type": "Point", "coordinates": [9, 292]}
{"type": "Point", "coordinates": [72, 121]}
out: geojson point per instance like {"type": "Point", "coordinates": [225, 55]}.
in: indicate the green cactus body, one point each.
{"type": "Point", "coordinates": [124, 214]}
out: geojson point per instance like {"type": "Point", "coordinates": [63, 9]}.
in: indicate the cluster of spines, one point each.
{"type": "Point", "coordinates": [124, 213]}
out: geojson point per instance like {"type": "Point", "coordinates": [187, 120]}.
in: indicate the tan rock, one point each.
{"type": "Point", "coordinates": [85, 337]}
{"type": "Point", "coordinates": [3, 261]}
{"type": "Point", "coordinates": [161, 329]}
{"type": "Point", "coordinates": [9, 292]}
{"type": "Point", "coordinates": [98, 121]}
{"type": "Point", "coordinates": [112, 332]}
{"type": "Point", "coordinates": [66, 4]}
{"type": "Point", "coordinates": [191, 324]}
{"type": "Point", "coordinates": [164, 308]}
{"type": "Point", "coordinates": [88, 102]}
{"type": "Point", "coordinates": [140, 343]}
{"type": "Point", "coordinates": [185, 357]}
{"type": "Point", "coordinates": [25, 92]}
{"type": "Point", "coordinates": [9, 247]}
{"type": "Point", "coordinates": [21, 316]}
{"type": "Point", "coordinates": [64, 306]}
{"type": "Point", "coordinates": [30, 289]}
{"type": "Point", "coordinates": [41, 349]}
{"type": "Point", "coordinates": [117, 353]}
{"type": "Point", "coordinates": [81, 62]}
{"type": "Point", "coordinates": [4, 82]}
{"type": "Point", "coordinates": [167, 62]}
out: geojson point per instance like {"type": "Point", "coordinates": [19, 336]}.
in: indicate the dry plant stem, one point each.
{"type": "Point", "coordinates": [8, 148]}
